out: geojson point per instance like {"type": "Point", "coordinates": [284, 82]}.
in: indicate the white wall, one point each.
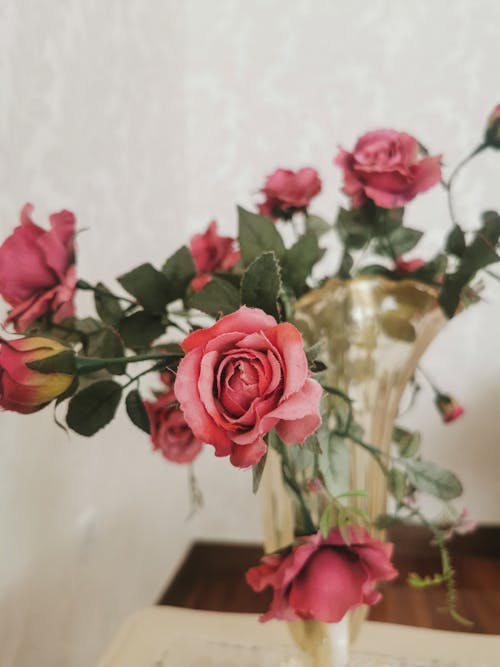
{"type": "Point", "coordinates": [148, 119]}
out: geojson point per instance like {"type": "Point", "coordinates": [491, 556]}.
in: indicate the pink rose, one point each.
{"type": "Point", "coordinates": [211, 253]}
{"type": "Point", "coordinates": [323, 578]}
{"type": "Point", "coordinates": [242, 377]}
{"type": "Point", "coordinates": [385, 168]}
{"type": "Point", "coordinates": [287, 191]}
{"type": "Point", "coordinates": [37, 272]}
{"type": "Point", "coordinates": [169, 431]}
{"type": "Point", "coordinates": [449, 408]}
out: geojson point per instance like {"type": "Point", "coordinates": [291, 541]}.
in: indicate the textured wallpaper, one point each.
{"type": "Point", "coordinates": [148, 119]}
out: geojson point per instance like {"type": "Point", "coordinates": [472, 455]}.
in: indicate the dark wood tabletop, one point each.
{"type": "Point", "coordinates": [212, 578]}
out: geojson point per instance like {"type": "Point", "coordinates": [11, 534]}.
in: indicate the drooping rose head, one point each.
{"type": "Point", "coordinates": [211, 253]}
{"type": "Point", "coordinates": [322, 579]}
{"type": "Point", "coordinates": [449, 408]}
{"type": "Point", "coordinates": [37, 272]}
{"type": "Point", "coordinates": [241, 378]}
{"type": "Point", "coordinates": [492, 135]}
{"type": "Point", "coordinates": [287, 192]}
{"type": "Point", "coordinates": [23, 389]}
{"type": "Point", "coordinates": [385, 167]}
{"type": "Point", "coordinates": [169, 431]}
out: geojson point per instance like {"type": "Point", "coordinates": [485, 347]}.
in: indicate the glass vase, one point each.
{"type": "Point", "coordinates": [373, 333]}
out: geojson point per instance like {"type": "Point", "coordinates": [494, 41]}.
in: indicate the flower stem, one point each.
{"type": "Point", "coordinates": [85, 365]}
{"type": "Point", "coordinates": [454, 174]}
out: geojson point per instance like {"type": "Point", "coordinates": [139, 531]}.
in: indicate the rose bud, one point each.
{"type": "Point", "coordinates": [448, 407]}
{"type": "Point", "coordinates": [323, 578]}
{"type": "Point", "coordinates": [169, 431]}
{"type": "Point", "coordinates": [408, 265]}
{"type": "Point", "coordinates": [37, 271]}
{"type": "Point", "coordinates": [243, 377]}
{"type": "Point", "coordinates": [287, 192]}
{"type": "Point", "coordinates": [211, 253]}
{"type": "Point", "coordinates": [23, 389]}
{"type": "Point", "coordinates": [492, 135]}
{"type": "Point", "coordinates": [385, 168]}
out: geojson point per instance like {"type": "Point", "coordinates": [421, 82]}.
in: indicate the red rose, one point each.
{"type": "Point", "coordinates": [448, 407]}
{"type": "Point", "coordinates": [385, 168]}
{"type": "Point", "coordinates": [37, 272]}
{"type": "Point", "coordinates": [323, 578]}
{"type": "Point", "coordinates": [211, 253]}
{"type": "Point", "coordinates": [21, 388]}
{"type": "Point", "coordinates": [287, 191]}
{"type": "Point", "coordinates": [169, 431]}
{"type": "Point", "coordinates": [242, 377]}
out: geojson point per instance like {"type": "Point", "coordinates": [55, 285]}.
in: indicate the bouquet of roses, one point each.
{"type": "Point", "coordinates": [216, 324]}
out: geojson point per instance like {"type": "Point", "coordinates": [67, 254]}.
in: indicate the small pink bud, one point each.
{"type": "Point", "coordinates": [408, 266]}
{"type": "Point", "coordinates": [314, 485]}
{"type": "Point", "coordinates": [449, 408]}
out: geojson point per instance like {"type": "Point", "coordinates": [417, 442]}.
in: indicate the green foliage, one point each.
{"type": "Point", "coordinates": [257, 472]}
{"type": "Point", "coordinates": [400, 241]}
{"type": "Point", "coordinates": [384, 521]}
{"type": "Point", "coordinates": [107, 305]}
{"type": "Point", "coordinates": [431, 271]}
{"type": "Point", "coordinates": [93, 407]}
{"type": "Point", "coordinates": [63, 362]}
{"type": "Point", "coordinates": [480, 253]}
{"type": "Point", "coordinates": [430, 478]}
{"type": "Point", "coordinates": [299, 260]}
{"type": "Point", "coordinates": [179, 270]}
{"type": "Point", "coordinates": [455, 243]}
{"type": "Point", "coordinates": [408, 442]}
{"type": "Point", "coordinates": [106, 344]}
{"type": "Point", "coordinates": [317, 225]}
{"type": "Point", "coordinates": [326, 520]}
{"type": "Point", "coordinates": [140, 329]}
{"type": "Point", "coordinates": [136, 411]}
{"type": "Point", "coordinates": [258, 234]}
{"type": "Point", "coordinates": [148, 286]}
{"type": "Point", "coordinates": [397, 484]}
{"type": "Point", "coordinates": [261, 284]}
{"type": "Point", "coordinates": [216, 298]}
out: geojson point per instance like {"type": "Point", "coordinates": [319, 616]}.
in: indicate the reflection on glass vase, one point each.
{"type": "Point", "coordinates": [374, 332]}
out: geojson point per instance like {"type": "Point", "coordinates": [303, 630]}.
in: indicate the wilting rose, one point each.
{"type": "Point", "coordinates": [242, 377]}
{"type": "Point", "coordinates": [21, 388]}
{"type": "Point", "coordinates": [37, 272]}
{"type": "Point", "coordinates": [287, 192]}
{"type": "Point", "coordinates": [449, 408]}
{"type": "Point", "coordinates": [385, 167]}
{"type": "Point", "coordinates": [408, 265]}
{"type": "Point", "coordinates": [211, 253]}
{"type": "Point", "coordinates": [492, 135]}
{"type": "Point", "coordinates": [322, 579]}
{"type": "Point", "coordinates": [169, 431]}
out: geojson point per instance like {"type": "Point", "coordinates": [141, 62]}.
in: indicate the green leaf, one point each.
{"type": "Point", "coordinates": [261, 284]}
{"type": "Point", "coordinates": [455, 243]}
{"type": "Point", "coordinates": [258, 234]}
{"type": "Point", "coordinates": [430, 478]}
{"type": "Point", "coordinates": [400, 241]}
{"type": "Point", "coordinates": [63, 362]}
{"type": "Point", "coordinates": [312, 444]}
{"type": "Point", "coordinates": [325, 522]}
{"type": "Point", "coordinates": [179, 270]}
{"type": "Point", "coordinates": [106, 344]}
{"type": "Point", "coordinates": [299, 261]}
{"type": "Point", "coordinates": [408, 442]}
{"type": "Point", "coordinates": [376, 270]}
{"type": "Point", "coordinates": [107, 305]}
{"type": "Point", "coordinates": [93, 407]}
{"type": "Point", "coordinates": [136, 411]}
{"type": "Point", "coordinates": [218, 296]}
{"type": "Point", "coordinates": [354, 228]}
{"type": "Point", "coordinates": [148, 286]}
{"type": "Point", "coordinates": [346, 264]}
{"type": "Point", "coordinates": [432, 270]}
{"type": "Point", "coordinates": [387, 220]}
{"type": "Point", "coordinates": [140, 329]}
{"type": "Point", "coordinates": [317, 225]}
{"type": "Point", "coordinates": [397, 484]}
{"type": "Point", "coordinates": [257, 471]}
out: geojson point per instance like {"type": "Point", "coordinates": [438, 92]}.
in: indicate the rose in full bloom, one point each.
{"type": "Point", "coordinates": [37, 272]}
{"type": "Point", "coordinates": [211, 253]}
{"type": "Point", "coordinates": [242, 377]}
{"type": "Point", "coordinates": [322, 579]}
{"type": "Point", "coordinates": [492, 135]}
{"type": "Point", "coordinates": [408, 265]}
{"type": "Point", "coordinates": [21, 388]}
{"type": "Point", "coordinates": [169, 431]}
{"type": "Point", "coordinates": [287, 192]}
{"type": "Point", "coordinates": [449, 408]}
{"type": "Point", "coordinates": [385, 167]}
